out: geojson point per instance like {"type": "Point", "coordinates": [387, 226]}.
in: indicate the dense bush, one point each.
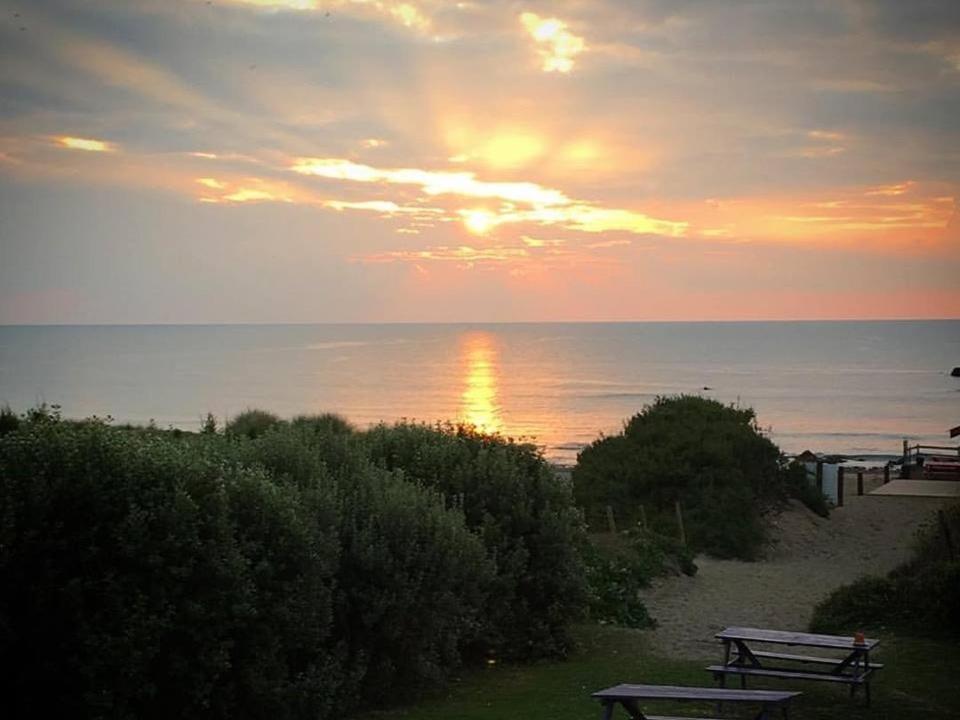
{"type": "Point", "coordinates": [921, 596]}
{"type": "Point", "coordinates": [523, 513]}
{"type": "Point", "coordinates": [710, 457]}
{"type": "Point", "coordinates": [618, 567]}
{"type": "Point", "coordinates": [251, 423]}
{"type": "Point", "coordinates": [283, 573]}
{"type": "Point", "coordinates": [413, 583]}
{"type": "Point", "coordinates": [140, 580]}
{"type": "Point", "coordinates": [9, 420]}
{"type": "Point", "coordinates": [798, 485]}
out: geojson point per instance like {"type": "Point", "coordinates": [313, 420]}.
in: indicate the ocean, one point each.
{"type": "Point", "coordinates": [837, 387]}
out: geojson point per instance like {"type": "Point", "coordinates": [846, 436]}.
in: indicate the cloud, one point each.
{"type": "Point", "coordinates": [432, 182]}
{"type": "Point", "coordinates": [88, 144]}
{"type": "Point", "coordinates": [408, 14]}
{"type": "Point", "coordinates": [907, 215]}
{"type": "Point", "coordinates": [891, 190]}
{"type": "Point", "coordinates": [545, 206]}
{"type": "Point", "coordinates": [556, 46]}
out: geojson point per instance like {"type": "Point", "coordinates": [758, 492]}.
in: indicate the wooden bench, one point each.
{"type": "Point", "coordinates": [741, 658]}
{"type": "Point", "coordinates": [717, 670]}
{"type": "Point", "coordinates": [629, 697]}
{"type": "Point", "coordinates": [937, 468]}
{"type": "Point", "coordinates": [805, 659]}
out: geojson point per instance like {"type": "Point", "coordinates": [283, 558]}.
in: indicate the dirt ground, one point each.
{"type": "Point", "coordinates": [809, 557]}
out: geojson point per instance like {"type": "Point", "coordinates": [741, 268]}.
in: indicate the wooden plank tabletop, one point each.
{"type": "Point", "coordinates": [838, 642]}
{"type": "Point", "coordinates": [676, 692]}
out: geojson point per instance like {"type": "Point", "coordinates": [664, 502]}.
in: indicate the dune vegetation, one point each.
{"type": "Point", "coordinates": [273, 569]}
{"type": "Point", "coordinates": [708, 458]}
{"type": "Point", "coordinates": [306, 568]}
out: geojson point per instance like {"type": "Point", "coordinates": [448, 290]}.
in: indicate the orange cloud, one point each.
{"type": "Point", "coordinates": [908, 214]}
{"type": "Point", "coordinates": [544, 206]}
{"type": "Point", "coordinates": [432, 182]}
{"type": "Point", "coordinates": [250, 190]}
{"type": "Point", "coordinates": [88, 144]}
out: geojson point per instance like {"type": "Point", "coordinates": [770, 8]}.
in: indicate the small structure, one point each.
{"type": "Point", "coordinates": [824, 474]}
{"type": "Point", "coordinates": [930, 462]}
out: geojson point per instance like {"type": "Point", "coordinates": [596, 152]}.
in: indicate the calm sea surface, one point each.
{"type": "Point", "coordinates": [851, 387]}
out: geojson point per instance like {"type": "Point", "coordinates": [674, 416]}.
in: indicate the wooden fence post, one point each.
{"type": "Point", "coordinates": [611, 521]}
{"type": "Point", "coordinates": [683, 534]}
{"type": "Point", "coordinates": [886, 473]}
{"type": "Point", "coordinates": [840, 486]}
{"type": "Point", "coordinates": [859, 482]}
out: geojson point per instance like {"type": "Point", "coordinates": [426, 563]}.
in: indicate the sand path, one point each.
{"type": "Point", "coordinates": [810, 556]}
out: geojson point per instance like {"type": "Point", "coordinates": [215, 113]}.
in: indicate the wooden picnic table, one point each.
{"type": "Point", "coordinates": [743, 658]}
{"type": "Point", "coordinates": [629, 697]}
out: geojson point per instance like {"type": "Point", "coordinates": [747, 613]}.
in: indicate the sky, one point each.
{"type": "Point", "coordinates": [195, 161]}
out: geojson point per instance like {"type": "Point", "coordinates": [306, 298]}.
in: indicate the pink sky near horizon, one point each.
{"type": "Point", "coordinates": [373, 160]}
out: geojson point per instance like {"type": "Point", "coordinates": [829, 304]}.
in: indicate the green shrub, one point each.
{"type": "Point", "coordinates": [413, 582]}
{"type": "Point", "coordinates": [9, 420]}
{"type": "Point", "coordinates": [619, 566]}
{"type": "Point", "coordinates": [324, 424]}
{"type": "Point", "coordinates": [709, 457]}
{"type": "Point", "coordinates": [148, 574]}
{"type": "Point", "coordinates": [921, 596]}
{"type": "Point", "coordinates": [143, 580]}
{"type": "Point", "coordinates": [525, 517]}
{"type": "Point", "coordinates": [615, 581]}
{"type": "Point", "coordinates": [799, 486]}
{"type": "Point", "coordinates": [251, 423]}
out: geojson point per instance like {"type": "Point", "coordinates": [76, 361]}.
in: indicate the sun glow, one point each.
{"type": "Point", "coordinates": [479, 222]}
{"type": "Point", "coordinates": [508, 149]}
{"type": "Point", "coordinates": [480, 405]}
{"type": "Point", "coordinates": [556, 45]}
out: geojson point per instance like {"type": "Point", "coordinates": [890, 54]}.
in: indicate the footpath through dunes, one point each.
{"type": "Point", "coordinates": [808, 558]}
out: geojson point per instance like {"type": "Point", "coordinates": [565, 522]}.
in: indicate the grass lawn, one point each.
{"type": "Point", "coordinates": [917, 682]}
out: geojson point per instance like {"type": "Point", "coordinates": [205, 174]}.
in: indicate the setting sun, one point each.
{"type": "Point", "coordinates": [479, 222]}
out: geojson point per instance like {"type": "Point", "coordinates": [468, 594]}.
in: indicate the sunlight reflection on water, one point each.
{"type": "Point", "coordinates": [479, 358]}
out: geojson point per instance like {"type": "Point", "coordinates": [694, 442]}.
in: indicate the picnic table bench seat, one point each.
{"type": "Point", "coordinates": [806, 658]}
{"type": "Point", "coordinates": [717, 670]}
{"type": "Point", "coordinates": [630, 696]}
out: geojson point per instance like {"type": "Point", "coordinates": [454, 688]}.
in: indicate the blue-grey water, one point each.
{"type": "Point", "coordinates": [845, 387]}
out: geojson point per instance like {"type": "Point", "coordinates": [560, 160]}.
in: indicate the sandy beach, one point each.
{"type": "Point", "coordinates": [808, 558]}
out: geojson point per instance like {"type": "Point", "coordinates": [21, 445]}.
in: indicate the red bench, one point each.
{"type": "Point", "coordinates": [941, 468]}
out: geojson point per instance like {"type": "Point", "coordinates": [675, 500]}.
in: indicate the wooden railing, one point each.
{"type": "Point", "coordinates": [912, 454]}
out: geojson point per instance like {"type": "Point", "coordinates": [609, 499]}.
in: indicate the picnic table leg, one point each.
{"type": "Point", "coordinates": [856, 671]}
{"type": "Point", "coordinates": [606, 710]}
{"type": "Point", "coordinates": [722, 677]}
{"type": "Point", "coordinates": [633, 709]}
{"type": "Point", "coordinates": [726, 661]}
